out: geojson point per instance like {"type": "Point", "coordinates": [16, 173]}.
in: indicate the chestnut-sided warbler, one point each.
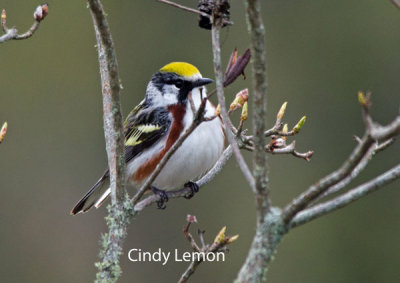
{"type": "Point", "coordinates": [152, 128]}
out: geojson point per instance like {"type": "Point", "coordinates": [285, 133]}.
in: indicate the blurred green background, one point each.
{"type": "Point", "coordinates": [319, 53]}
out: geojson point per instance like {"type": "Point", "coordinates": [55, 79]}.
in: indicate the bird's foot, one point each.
{"type": "Point", "coordinates": [163, 197]}
{"type": "Point", "coordinates": [194, 188]}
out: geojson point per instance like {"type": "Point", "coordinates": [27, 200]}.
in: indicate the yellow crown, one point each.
{"type": "Point", "coordinates": [181, 68]}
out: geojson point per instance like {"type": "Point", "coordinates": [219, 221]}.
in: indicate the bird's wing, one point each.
{"type": "Point", "coordinates": [143, 127]}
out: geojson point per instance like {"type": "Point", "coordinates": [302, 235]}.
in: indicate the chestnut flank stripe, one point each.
{"type": "Point", "coordinates": [178, 111]}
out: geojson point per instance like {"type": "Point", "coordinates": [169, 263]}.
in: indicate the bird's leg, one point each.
{"type": "Point", "coordinates": [194, 188]}
{"type": "Point", "coordinates": [163, 197]}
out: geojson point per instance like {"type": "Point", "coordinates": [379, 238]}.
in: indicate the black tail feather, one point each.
{"type": "Point", "coordinates": [84, 204]}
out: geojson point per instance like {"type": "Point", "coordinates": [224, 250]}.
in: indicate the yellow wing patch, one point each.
{"type": "Point", "coordinates": [181, 68]}
{"type": "Point", "coordinates": [134, 138]}
{"type": "Point", "coordinates": [148, 128]}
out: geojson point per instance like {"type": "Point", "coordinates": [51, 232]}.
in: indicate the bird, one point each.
{"type": "Point", "coordinates": [172, 98]}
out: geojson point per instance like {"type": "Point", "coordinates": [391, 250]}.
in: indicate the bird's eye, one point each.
{"type": "Point", "coordinates": [178, 83]}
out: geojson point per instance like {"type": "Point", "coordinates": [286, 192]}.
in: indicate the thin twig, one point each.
{"type": "Point", "coordinates": [396, 3]}
{"type": "Point", "coordinates": [382, 133]}
{"type": "Point", "coordinates": [276, 130]}
{"type": "Point", "coordinates": [219, 244]}
{"type": "Point", "coordinates": [201, 236]}
{"type": "Point", "coordinates": [29, 32]}
{"type": "Point", "coordinates": [382, 146]}
{"type": "Point", "coordinates": [322, 185]}
{"type": "Point", "coordinates": [374, 149]}
{"type": "Point", "coordinates": [3, 131]}
{"type": "Point", "coordinates": [187, 9]}
{"type": "Point", "coordinates": [345, 181]}
{"type": "Point", "coordinates": [347, 198]}
{"type": "Point", "coordinates": [374, 132]}
{"type": "Point", "coordinates": [12, 33]}
{"type": "Point", "coordinates": [215, 30]}
{"type": "Point", "coordinates": [259, 97]}
{"type": "Point", "coordinates": [278, 134]}
{"type": "Point", "coordinates": [189, 271]}
{"type": "Point", "coordinates": [191, 10]}
{"type": "Point", "coordinates": [190, 238]}
{"type": "Point", "coordinates": [291, 149]}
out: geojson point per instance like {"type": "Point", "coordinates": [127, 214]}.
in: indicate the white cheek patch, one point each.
{"type": "Point", "coordinates": [154, 95]}
{"type": "Point", "coordinates": [170, 94]}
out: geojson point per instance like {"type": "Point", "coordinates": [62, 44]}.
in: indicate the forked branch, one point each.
{"type": "Point", "coordinates": [219, 244]}
{"type": "Point", "coordinates": [375, 139]}
{"type": "Point", "coordinates": [352, 195]}
{"type": "Point", "coordinates": [12, 33]}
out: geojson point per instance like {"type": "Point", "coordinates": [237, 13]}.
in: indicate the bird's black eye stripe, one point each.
{"type": "Point", "coordinates": [178, 83]}
{"type": "Point", "coordinates": [159, 79]}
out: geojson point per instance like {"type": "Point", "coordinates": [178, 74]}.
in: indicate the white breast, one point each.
{"type": "Point", "coordinates": [198, 153]}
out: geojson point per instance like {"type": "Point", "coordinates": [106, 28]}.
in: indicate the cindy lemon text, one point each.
{"type": "Point", "coordinates": [137, 255]}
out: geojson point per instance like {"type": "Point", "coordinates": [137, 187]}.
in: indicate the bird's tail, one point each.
{"type": "Point", "coordinates": [95, 196]}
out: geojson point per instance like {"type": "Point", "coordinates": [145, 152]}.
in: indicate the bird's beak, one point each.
{"type": "Point", "coordinates": [201, 82]}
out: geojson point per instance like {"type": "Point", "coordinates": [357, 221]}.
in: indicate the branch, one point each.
{"type": "Point", "coordinates": [279, 146]}
{"type": "Point", "coordinates": [117, 222]}
{"type": "Point", "coordinates": [396, 3]}
{"type": "Point", "coordinates": [185, 191]}
{"type": "Point", "coordinates": [191, 219]}
{"type": "Point", "coordinates": [374, 133]}
{"type": "Point", "coordinates": [254, 20]}
{"type": "Point", "coordinates": [3, 131]}
{"type": "Point", "coordinates": [288, 149]}
{"type": "Point", "coordinates": [269, 229]}
{"type": "Point", "coordinates": [184, 8]}
{"type": "Point", "coordinates": [279, 134]}
{"type": "Point", "coordinates": [322, 185]}
{"type": "Point", "coordinates": [354, 194]}
{"type": "Point", "coordinates": [12, 33]}
{"type": "Point", "coordinates": [374, 149]}
{"type": "Point", "coordinates": [383, 133]}
{"type": "Point", "coordinates": [215, 31]}
{"type": "Point", "coordinates": [113, 123]}
{"type": "Point", "coordinates": [191, 10]}
{"type": "Point", "coordinates": [219, 244]}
